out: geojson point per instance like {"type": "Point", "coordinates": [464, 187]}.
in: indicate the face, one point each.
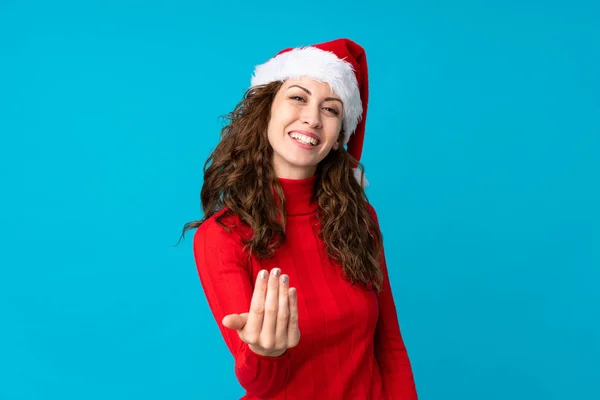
{"type": "Point", "coordinates": [305, 124]}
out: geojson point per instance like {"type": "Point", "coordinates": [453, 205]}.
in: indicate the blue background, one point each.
{"type": "Point", "coordinates": [482, 151]}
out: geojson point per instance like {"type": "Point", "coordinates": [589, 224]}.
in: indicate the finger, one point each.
{"type": "Point", "coordinates": [267, 335]}
{"type": "Point", "coordinates": [257, 309]}
{"type": "Point", "coordinates": [293, 329]}
{"type": "Point", "coordinates": [235, 321]}
{"type": "Point", "coordinates": [283, 313]}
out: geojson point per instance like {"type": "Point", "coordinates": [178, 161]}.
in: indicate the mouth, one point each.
{"type": "Point", "coordinates": [305, 139]}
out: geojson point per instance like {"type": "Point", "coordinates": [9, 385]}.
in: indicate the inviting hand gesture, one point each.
{"type": "Point", "coordinates": [271, 326]}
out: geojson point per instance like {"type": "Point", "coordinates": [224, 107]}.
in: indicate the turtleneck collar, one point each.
{"type": "Point", "coordinates": [299, 195]}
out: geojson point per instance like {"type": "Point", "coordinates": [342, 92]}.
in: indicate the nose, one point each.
{"type": "Point", "coordinates": [311, 117]}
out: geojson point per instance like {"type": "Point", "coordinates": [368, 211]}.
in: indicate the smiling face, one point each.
{"type": "Point", "coordinates": [305, 124]}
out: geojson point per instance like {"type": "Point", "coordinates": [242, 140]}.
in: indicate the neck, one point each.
{"type": "Point", "coordinates": [299, 195]}
{"type": "Point", "coordinates": [288, 172]}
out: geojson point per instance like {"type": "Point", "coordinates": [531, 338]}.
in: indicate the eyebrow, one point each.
{"type": "Point", "coordinates": [308, 91]}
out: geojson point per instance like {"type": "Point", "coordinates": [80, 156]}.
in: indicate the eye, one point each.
{"type": "Point", "coordinates": [332, 110]}
{"type": "Point", "coordinates": [298, 98]}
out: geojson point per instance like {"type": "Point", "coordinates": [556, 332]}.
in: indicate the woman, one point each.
{"type": "Point", "coordinates": [289, 252]}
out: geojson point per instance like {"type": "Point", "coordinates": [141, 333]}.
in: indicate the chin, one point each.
{"type": "Point", "coordinates": [300, 160]}
{"type": "Point", "coordinates": [300, 164]}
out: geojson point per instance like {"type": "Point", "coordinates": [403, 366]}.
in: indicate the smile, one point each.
{"type": "Point", "coordinates": [304, 139]}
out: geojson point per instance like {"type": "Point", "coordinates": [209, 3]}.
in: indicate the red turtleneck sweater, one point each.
{"type": "Point", "coordinates": [350, 342]}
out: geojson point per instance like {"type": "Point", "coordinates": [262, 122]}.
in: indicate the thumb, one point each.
{"type": "Point", "coordinates": [235, 321]}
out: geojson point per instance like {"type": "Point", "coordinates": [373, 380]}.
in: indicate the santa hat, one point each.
{"type": "Point", "coordinates": [342, 64]}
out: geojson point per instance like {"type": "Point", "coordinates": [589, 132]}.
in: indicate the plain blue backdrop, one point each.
{"type": "Point", "coordinates": [482, 150]}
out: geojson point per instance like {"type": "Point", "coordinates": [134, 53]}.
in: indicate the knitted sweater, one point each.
{"type": "Point", "coordinates": [350, 343]}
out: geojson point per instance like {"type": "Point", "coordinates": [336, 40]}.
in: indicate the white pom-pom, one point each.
{"type": "Point", "coordinates": [357, 174]}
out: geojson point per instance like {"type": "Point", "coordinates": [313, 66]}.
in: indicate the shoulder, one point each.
{"type": "Point", "coordinates": [218, 246]}
{"type": "Point", "coordinates": [214, 232]}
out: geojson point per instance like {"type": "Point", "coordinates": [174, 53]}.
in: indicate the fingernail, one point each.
{"type": "Point", "coordinates": [276, 272]}
{"type": "Point", "coordinates": [285, 279]}
{"type": "Point", "coordinates": [263, 274]}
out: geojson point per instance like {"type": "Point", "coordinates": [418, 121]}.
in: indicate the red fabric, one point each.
{"type": "Point", "coordinates": [350, 345]}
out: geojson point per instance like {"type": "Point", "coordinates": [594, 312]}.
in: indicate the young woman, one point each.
{"type": "Point", "coordinates": [289, 251]}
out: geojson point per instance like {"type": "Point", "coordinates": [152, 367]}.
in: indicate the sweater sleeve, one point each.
{"type": "Point", "coordinates": [390, 351]}
{"type": "Point", "coordinates": [228, 286]}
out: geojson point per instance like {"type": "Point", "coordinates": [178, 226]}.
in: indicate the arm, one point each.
{"type": "Point", "coordinates": [228, 286]}
{"type": "Point", "coordinates": [396, 371]}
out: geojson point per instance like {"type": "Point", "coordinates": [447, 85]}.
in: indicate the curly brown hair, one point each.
{"type": "Point", "coordinates": [239, 178]}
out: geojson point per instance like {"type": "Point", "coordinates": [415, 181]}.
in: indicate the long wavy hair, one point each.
{"type": "Point", "coordinates": [239, 178]}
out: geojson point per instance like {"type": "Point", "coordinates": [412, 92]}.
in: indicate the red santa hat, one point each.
{"type": "Point", "coordinates": [342, 64]}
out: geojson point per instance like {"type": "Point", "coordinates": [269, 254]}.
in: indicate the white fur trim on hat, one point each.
{"type": "Point", "coordinates": [320, 65]}
{"type": "Point", "coordinates": [360, 177]}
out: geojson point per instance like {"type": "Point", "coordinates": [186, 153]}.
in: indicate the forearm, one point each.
{"type": "Point", "coordinates": [261, 375]}
{"type": "Point", "coordinates": [228, 288]}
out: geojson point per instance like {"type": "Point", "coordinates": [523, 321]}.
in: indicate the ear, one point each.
{"type": "Point", "coordinates": [338, 141]}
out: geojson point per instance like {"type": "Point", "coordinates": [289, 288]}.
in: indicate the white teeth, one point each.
{"type": "Point", "coordinates": [304, 139]}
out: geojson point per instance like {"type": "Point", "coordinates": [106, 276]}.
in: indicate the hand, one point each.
{"type": "Point", "coordinates": [271, 326]}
